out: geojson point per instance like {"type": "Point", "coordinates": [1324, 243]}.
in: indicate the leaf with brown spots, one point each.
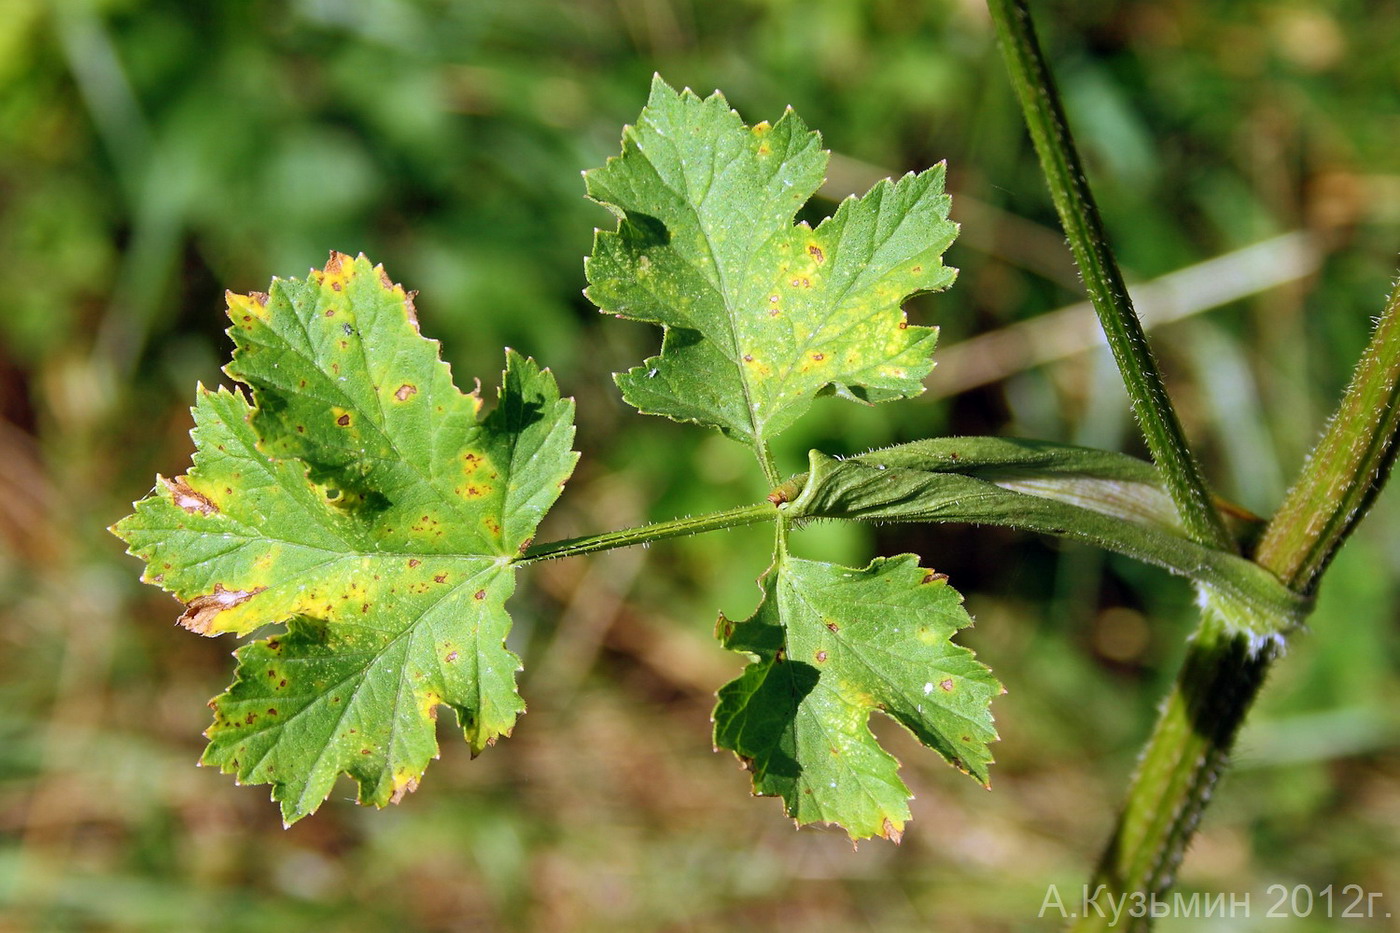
{"type": "Point", "coordinates": [363, 502]}
{"type": "Point", "coordinates": [798, 715]}
{"type": "Point", "coordinates": [760, 316]}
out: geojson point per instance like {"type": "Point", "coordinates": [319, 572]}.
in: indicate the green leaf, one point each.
{"type": "Point", "coordinates": [365, 503]}
{"type": "Point", "coordinates": [1106, 499]}
{"type": "Point", "coordinates": [832, 644]}
{"type": "Point", "coordinates": [760, 316]}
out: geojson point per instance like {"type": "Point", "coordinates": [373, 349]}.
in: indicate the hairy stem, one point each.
{"type": "Point", "coordinates": [1224, 670]}
{"type": "Point", "coordinates": [1225, 667]}
{"type": "Point", "coordinates": [629, 537]}
{"type": "Point", "coordinates": [1059, 160]}
{"type": "Point", "coordinates": [1346, 469]}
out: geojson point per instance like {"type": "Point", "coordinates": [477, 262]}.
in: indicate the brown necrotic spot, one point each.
{"type": "Point", "coordinates": [407, 787]}
{"type": "Point", "coordinates": [201, 611]}
{"type": "Point", "coordinates": [946, 685]}
{"type": "Point", "coordinates": [343, 420]}
{"type": "Point", "coordinates": [186, 498]}
{"type": "Point", "coordinates": [405, 391]}
{"type": "Point", "coordinates": [816, 252]}
{"type": "Point", "coordinates": [821, 657]}
{"type": "Point", "coordinates": [479, 594]}
{"type": "Point", "coordinates": [934, 576]}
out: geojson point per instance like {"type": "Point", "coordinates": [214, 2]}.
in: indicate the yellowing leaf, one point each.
{"type": "Point", "coordinates": [760, 316]}
{"type": "Point", "coordinates": [831, 645]}
{"type": "Point", "coordinates": [363, 502]}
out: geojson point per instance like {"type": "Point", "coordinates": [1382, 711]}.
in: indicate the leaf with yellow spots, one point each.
{"type": "Point", "coordinates": [364, 502]}
{"type": "Point", "coordinates": [832, 644]}
{"type": "Point", "coordinates": [760, 316]}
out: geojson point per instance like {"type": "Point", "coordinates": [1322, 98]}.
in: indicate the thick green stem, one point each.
{"type": "Point", "coordinates": [1059, 160]}
{"type": "Point", "coordinates": [1224, 667]}
{"type": "Point", "coordinates": [1346, 469]}
{"type": "Point", "coordinates": [1223, 672]}
{"type": "Point", "coordinates": [629, 537]}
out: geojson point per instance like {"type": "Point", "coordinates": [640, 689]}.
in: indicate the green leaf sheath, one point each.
{"type": "Point", "coordinates": [365, 503]}
{"type": "Point", "coordinates": [1106, 499]}
{"type": "Point", "coordinates": [760, 316]}
{"type": "Point", "coordinates": [830, 645]}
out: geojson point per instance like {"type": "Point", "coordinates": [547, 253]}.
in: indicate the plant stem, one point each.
{"type": "Point", "coordinates": [1059, 160]}
{"type": "Point", "coordinates": [1224, 667]}
{"type": "Point", "coordinates": [1346, 469]}
{"type": "Point", "coordinates": [628, 537]}
{"type": "Point", "coordinates": [1224, 670]}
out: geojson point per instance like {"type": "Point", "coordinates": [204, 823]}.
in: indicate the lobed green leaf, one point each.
{"type": "Point", "coordinates": [831, 644]}
{"type": "Point", "coordinates": [760, 316]}
{"type": "Point", "coordinates": [364, 503]}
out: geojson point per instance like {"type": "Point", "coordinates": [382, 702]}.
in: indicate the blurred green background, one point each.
{"type": "Point", "coordinates": [155, 153]}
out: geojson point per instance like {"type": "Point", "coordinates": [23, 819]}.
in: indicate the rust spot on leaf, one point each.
{"type": "Point", "coordinates": [818, 356]}
{"type": "Point", "coordinates": [440, 578]}
{"type": "Point", "coordinates": [451, 656]}
{"type": "Point", "coordinates": [479, 594]}
{"type": "Point", "coordinates": [405, 391]}
{"type": "Point", "coordinates": [833, 626]}
{"type": "Point", "coordinates": [201, 611]}
{"type": "Point", "coordinates": [413, 562]}
{"type": "Point", "coordinates": [821, 657]}
{"type": "Point", "coordinates": [946, 685]}
{"type": "Point", "coordinates": [816, 252]}
{"type": "Point", "coordinates": [330, 312]}
{"type": "Point", "coordinates": [186, 498]}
